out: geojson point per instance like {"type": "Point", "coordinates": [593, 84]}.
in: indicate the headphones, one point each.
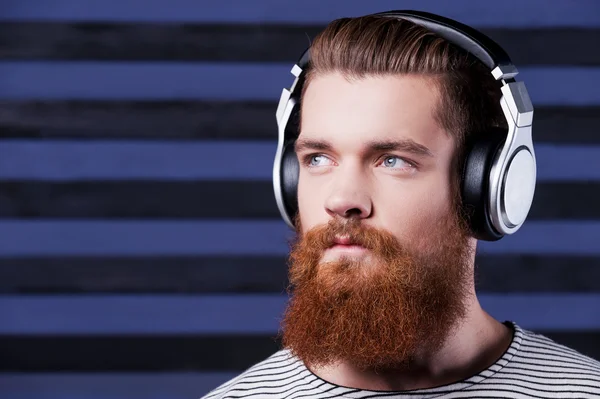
{"type": "Point", "coordinates": [499, 173]}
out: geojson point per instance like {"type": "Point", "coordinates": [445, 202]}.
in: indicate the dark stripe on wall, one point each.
{"type": "Point", "coordinates": [564, 200]}
{"type": "Point", "coordinates": [220, 120]}
{"type": "Point", "coordinates": [505, 273]}
{"type": "Point", "coordinates": [221, 200]}
{"type": "Point", "coordinates": [139, 199]}
{"type": "Point", "coordinates": [133, 352]}
{"type": "Point", "coordinates": [248, 42]}
{"type": "Point", "coordinates": [263, 274]}
{"type": "Point", "coordinates": [186, 275]}
{"type": "Point", "coordinates": [165, 120]}
{"type": "Point", "coordinates": [173, 353]}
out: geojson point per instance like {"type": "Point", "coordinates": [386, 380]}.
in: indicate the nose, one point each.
{"type": "Point", "coordinates": [349, 200]}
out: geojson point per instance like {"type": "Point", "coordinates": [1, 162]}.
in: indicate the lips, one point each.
{"type": "Point", "coordinates": [344, 246]}
{"type": "Point", "coordinates": [345, 242]}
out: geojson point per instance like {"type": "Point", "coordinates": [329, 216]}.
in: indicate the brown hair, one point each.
{"type": "Point", "coordinates": [375, 46]}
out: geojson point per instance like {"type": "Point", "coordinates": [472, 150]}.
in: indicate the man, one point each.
{"type": "Point", "coordinates": [383, 297]}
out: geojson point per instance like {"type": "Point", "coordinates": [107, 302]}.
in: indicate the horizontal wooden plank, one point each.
{"type": "Point", "coordinates": [217, 120]}
{"type": "Point", "coordinates": [159, 275]}
{"type": "Point", "coordinates": [165, 120]}
{"type": "Point", "coordinates": [139, 199]}
{"type": "Point", "coordinates": [245, 314]}
{"type": "Point", "coordinates": [263, 274]}
{"type": "Point", "coordinates": [145, 160]}
{"type": "Point", "coordinates": [165, 353]}
{"type": "Point", "coordinates": [151, 314]}
{"type": "Point", "coordinates": [507, 273]}
{"type": "Point", "coordinates": [214, 354]}
{"type": "Point", "coordinates": [248, 42]}
{"type": "Point", "coordinates": [98, 80]}
{"type": "Point", "coordinates": [149, 199]}
{"type": "Point", "coordinates": [110, 385]}
{"type": "Point", "coordinates": [56, 237]}
{"type": "Point", "coordinates": [533, 12]}
{"type": "Point", "coordinates": [73, 160]}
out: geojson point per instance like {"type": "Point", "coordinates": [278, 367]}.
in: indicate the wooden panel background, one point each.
{"type": "Point", "coordinates": [141, 251]}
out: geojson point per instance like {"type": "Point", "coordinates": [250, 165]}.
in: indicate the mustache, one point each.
{"type": "Point", "coordinates": [350, 231]}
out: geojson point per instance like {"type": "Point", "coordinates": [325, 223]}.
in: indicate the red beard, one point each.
{"type": "Point", "coordinates": [377, 313]}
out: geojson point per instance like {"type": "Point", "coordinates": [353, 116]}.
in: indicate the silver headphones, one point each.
{"type": "Point", "coordinates": [499, 174]}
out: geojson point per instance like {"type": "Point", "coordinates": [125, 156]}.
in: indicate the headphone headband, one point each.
{"type": "Point", "coordinates": [471, 40]}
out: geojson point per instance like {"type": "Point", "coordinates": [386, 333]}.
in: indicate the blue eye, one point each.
{"type": "Point", "coordinates": [392, 162]}
{"type": "Point", "coordinates": [316, 160]}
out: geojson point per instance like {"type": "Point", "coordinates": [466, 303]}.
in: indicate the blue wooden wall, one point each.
{"type": "Point", "coordinates": [141, 252]}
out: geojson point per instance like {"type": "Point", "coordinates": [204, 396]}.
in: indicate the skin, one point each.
{"type": "Point", "coordinates": [403, 190]}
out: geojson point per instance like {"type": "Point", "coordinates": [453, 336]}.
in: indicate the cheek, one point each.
{"type": "Point", "coordinates": [310, 204]}
{"type": "Point", "coordinates": [411, 212]}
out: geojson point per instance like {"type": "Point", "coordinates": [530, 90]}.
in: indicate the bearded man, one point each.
{"type": "Point", "coordinates": [393, 122]}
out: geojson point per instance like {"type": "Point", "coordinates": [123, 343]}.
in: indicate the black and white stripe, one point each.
{"type": "Point", "coordinates": [534, 366]}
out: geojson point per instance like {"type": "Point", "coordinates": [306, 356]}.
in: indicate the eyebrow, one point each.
{"type": "Point", "coordinates": [407, 145]}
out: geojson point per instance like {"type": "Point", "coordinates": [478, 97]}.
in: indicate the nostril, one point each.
{"type": "Point", "coordinates": [353, 212]}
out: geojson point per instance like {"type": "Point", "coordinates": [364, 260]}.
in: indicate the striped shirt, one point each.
{"type": "Point", "coordinates": [534, 366]}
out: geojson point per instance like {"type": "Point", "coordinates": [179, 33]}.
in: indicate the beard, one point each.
{"type": "Point", "coordinates": [380, 311]}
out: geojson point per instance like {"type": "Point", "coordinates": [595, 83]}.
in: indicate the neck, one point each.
{"type": "Point", "coordinates": [473, 346]}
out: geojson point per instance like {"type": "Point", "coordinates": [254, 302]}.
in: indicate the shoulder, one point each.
{"type": "Point", "coordinates": [272, 375]}
{"type": "Point", "coordinates": [537, 346]}
{"type": "Point", "coordinates": [543, 360]}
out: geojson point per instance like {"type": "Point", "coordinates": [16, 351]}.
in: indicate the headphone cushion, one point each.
{"type": "Point", "coordinates": [290, 171]}
{"type": "Point", "coordinates": [475, 187]}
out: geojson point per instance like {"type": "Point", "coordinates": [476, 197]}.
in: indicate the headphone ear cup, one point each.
{"type": "Point", "coordinates": [290, 171]}
{"type": "Point", "coordinates": [475, 187]}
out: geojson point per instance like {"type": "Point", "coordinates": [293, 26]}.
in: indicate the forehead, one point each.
{"type": "Point", "coordinates": [372, 108]}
